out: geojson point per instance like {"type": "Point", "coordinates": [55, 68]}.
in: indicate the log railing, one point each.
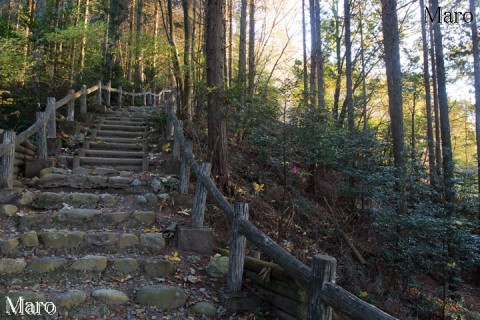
{"type": "Point", "coordinates": [319, 280]}
{"type": "Point", "coordinates": [45, 124]}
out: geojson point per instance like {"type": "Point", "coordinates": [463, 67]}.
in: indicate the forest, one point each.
{"type": "Point", "coordinates": [353, 127]}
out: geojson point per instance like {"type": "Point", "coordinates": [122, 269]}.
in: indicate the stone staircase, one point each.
{"type": "Point", "coordinates": [97, 241]}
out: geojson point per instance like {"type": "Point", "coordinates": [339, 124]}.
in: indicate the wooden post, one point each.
{"type": "Point", "coordinates": [185, 170]}
{"type": "Point", "coordinates": [120, 93]}
{"type": "Point", "coordinates": [83, 100]}
{"type": "Point", "coordinates": [169, 130]}
{"type": "Point", "coordinates": [176, 143]}
{"type": "Point", "coordinates": [323, 271]}
{"type": "Point", "coordinates": [198, 211]}
{"type": "Point", "coordinates": [133, 97]}
{"type": "Point", "coordinates": [41, 137]}
{"type": "Point", "coordinates": [144, 98]}
{"type": "Point", "coordinates": [7, 161]}
{"type": "Point", "coordinates": [71, 107]}
{"type": "Point", "coordinates": [109, 93]}
{"type": "Point", "coordinates": [52, 118]}
{"type": "Point", "coordinates": [99, 93]}
{"type": "Point", "coordinates": [237, 249]}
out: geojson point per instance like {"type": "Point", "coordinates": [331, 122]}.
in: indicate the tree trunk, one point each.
{"type": "Point", "coordinates": [138, 45]}
{"type": "Point", "coordinates": [305, 69]}
{"type": "Point", "coordinates": [338, 83]}
{"type": "Point", "coordinates": [242, 51]}
{"type": "Point", "coordinates": [230, 43]}
{"type": "Point", "coordinates": [217, 132]}
{"type": "Point", "coordinates": [428, 99]}
{"type": "Point", "coordinates": [319, 58]}
{"type": "Point", "coordinates": [313, 57]}
{"type": "Point", "coordinates": [84, 36]}
{"type": "Point", "coordinates": [348, 71]}
{"type": "Point", "coordinates": [438, 148]}
{"type": "Point", "coordinates": [187, 58]}
{"type": "Point", "coordinates": [9, 9]}
{"type": "Point", "coordinates": [364, 76]}
{"type": "Point", "coordinates": [391, 42]}
{"type": "Point", "coordinates": [251, 50]}
{"type": "Point", "coordinates": [155, 35]}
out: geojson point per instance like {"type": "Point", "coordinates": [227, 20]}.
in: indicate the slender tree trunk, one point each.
{"type": "Point", "coordinates": [391, 43]}
{"type": "Point", "coordinates": [217, 133]}
{"type": "Point", "coordinates": [364, 76]}
{"type": "Point", "coordinates": [412, 141]}
{"type": "Point", "coordinates": [84, 36]}
{"type": "Point", "coordinates": [242, 51]}
{"type": "Point", "coordinates": [9, 9]}
{"type": "Point", "coordinates": [428, 99]}
{"type": "Point", "coordinates": [230, 43]}
{"type": "Point", "coordinates": [73, 46]}
{"type": "Point", "coordinates": [155, 35]}
{"type": "Point", "coordinates": [131, 44]}
{"type": "Point", "coordinates": [138, 45]}
{"type": "Point", "coordinates": [187, 60]}
{"type": "Point", "coordinates": [476, 72]}
{"type": "Point", "coordinates": [319, 58]}
{"type": "Point", "coordinates": [251, 50]}
{"type": "Point", "coordinates": [348, 71]}
{"type": "Point", "coordinates": [338, 81]}
{"type": "Point", "coordinates": [438, 148]}
{"type": "Point", "coordinates": [305, 69]}
{"type": "Point", "coordinates": [313, 56]}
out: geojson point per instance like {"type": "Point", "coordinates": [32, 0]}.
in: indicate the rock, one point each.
{"type": "Point", "coordinates": [101, 239]}
{"type": "Point", "coordinates": [204, 308]}
{"type": "Point", "coordinates": [90, 263]}
{"type": "Point", "coordinates": [27, 296]}
{"type": "Point", "coordinates": [70, 299]}
{"type": "Point", "coordinates": [62, 239]}
{"type": "Point", "coordinates": [83, 200]}
{"type": "Point", "coordinates": [76, 181]}
{"type": "Point", "coordinates": [49, 200]}
{"type": "Point", "coordinates": [151, 199]}
{"type": "Point", "coordinates": [157, 186]}
{"type": "Point", "coordinates": [26, 199]}
{"type": "Point", "coordinates": [29, 239]}
{"type": "Point", "coordinates": [218, 267]}
{"type": "Point", "coordinates": [118, 217]}
{"type": "Point", "coordinates": [147, 217]}
{"type": "Point", "coordinates": [59, 170]}
{"type": "Point", "coordinates": [126, 240]}
{"type": "Point", "coordinates": [10, 266]}
{"type": "Point", "coordinates": [51, 180]}
{"type": "Point", "coordinates": [33, 182]}
{"type": "Point", "coordinates": [159, 268]}
{"type": "Point", "coordinates": [45, 171]}
{"type": "Point", "coordinates": [7, 196]}
{"type": "Point", "coordinates": [33, 220]}
{"type": "Point", "coordinates": [153, 241]}
{"type": "Point", "coordinates": [8, 246]}
{"type": "Point", "coordinates": [107, 200]}
{"type": "Point", "coordinates": [76, 215]}
{"type": "Point", "coordinates": [97, 181]}
{"type": "Point", "coordinates": [125, 174]}
{"type": "Point", "coordinates": [110, 296]}
{"type": "Point", "coordinates": [125, 265]}
{"type": "Point", "coordinates": [105, 171]}
{"type": "Point", "coordinates": [140, 200]}
{"type": "Point", "coordinates": [163, 196]}
{"type": "Point", "coordinates": [8, 210]}
{"type": "Point", "coordinates": [82, 171]}
{"type": "Point", "coordinates": [119, 182]}
{"type": "Point", "coordinates": [161, 296]}
{"type": "Point", "coordinates": [136, 183]}
{"type": "Point", "coordinates": [47, 264]}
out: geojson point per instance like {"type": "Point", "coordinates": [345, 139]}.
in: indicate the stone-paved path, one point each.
{"type": "Point", "coordinates": [97, 240]}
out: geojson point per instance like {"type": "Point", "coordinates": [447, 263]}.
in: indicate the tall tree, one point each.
{"type": "Point", "coordinates": [391, 44]}
{"type": "Point", "coordinates": [313, 56]}
{"type": "Point", "coordinates": [187, 58]}
{"type": "Point", "coordinates": [476, 72]}
{"type": "Point", "coordinates": [217, 131]}
{"type": "Point", "coordinates": [428, 99]}
{"type": "Point", "coordinates": [348, 71]}
{"type": "Point", "coordinates": [138, 44]}
{"type": "Point", "coordinates": [304, 45]}
{"type": "Point", "coordinates": [319, 57]}
{"type": "Point", "coordinates": [438, 148]}
{"type": "Point", "coordinates": [242, 50]}
{"type": "Point", "coordinates": [251, 49]}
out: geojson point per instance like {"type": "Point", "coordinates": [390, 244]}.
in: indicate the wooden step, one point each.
{"type": "Point", "coordinates": [110, 133]}
{"type": "Point", "coordinates": [119, 140]}
{"type": "Point", "coordinates": [114, 154]}
{"type": "Point", "coordinates": [114, 146]}
{"type": "Point", "coordinates": [110, 161]}
{"type": "Point", "coordinates": [116, 127]}
{"type": "Point", "coordinates": [121, 122]}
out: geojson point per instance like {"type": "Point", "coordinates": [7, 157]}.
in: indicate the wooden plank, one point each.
{"type": "Point", "coordinates": [350, 305]}
{"type": "Point", "coordinates": [133, 98]}
{"type": "Point", "coordinates": [22, 137]}
{"type": "Point", "coordinates": [120, 97]}
{"type": "Point", "coordinates": [77, 94]}
{"type": "Point", "coordinates": [92, 89]}
{"type": "Point", "coordinates": [237, 250]}
{"type": "Point", "coordinates": [198, 211]}
{"type": "Point", "coordinates": [98, 94]}
{"type": "Point", "coordinates": [286, 289]}
{"type": "Point", "coordinates": [83, 100]}
{"type": "Point", "coordinates": [27, 144]}
{"type": "Point", "coordinates": [7, 161]}
{"type": "Point", "coordinates": [71, 107]}
{"type": "Point", "coordinates": [63, 101]}
{"type": "Point", "coordinates": [109, 92]}
{"type": "Point", "coordinates": [323, 271]}
{"type": "Point", "coordinates": [176, 144]}
{"type": "Point", "coordinates": [27, 151]}
{"type": "Point", "coordinates": [41, 137]}
{"type": "Point", "coordinates": [51, 118]}
{"type": "Point", "coordinates": [185, 171]}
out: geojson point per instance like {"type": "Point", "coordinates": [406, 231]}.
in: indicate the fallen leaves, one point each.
{"type": "Point", "coordinates": [173, 257]}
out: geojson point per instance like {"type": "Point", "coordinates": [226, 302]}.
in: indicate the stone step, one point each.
{"type": "Point", "coordinates": [80, 181]}
{"type": "Point", "coordinates": [114, 154]}
{"type": "Point", "coordinates": [58, 200]}
{"type": "Point", "coordinates": [116, 146]}
{"type": "Point", "coordinates": [86, 219]}
{"type": "Point", "coordinates": [116, 127]}
{"type": "Point", "coordinates": [123, 134]}
{"type": "Point", "coordinates": [111, 162]}
{"type": "Point", "coordinates": [54, 241]}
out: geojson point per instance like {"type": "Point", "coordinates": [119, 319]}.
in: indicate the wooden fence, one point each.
{"type": "Point", "coordinates": [45, 124]}
{"type": "Point", "coordinates": [323, 294]}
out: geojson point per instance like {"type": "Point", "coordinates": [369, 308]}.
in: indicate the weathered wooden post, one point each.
{"type": "Point", "coordinates": [323, 271]}
{"type": "Point", "coordinates": [178, 127]}
{"type": "Point", "coordinates": [120, 93]}
{"type": "Point", "coordinates": [144, 98]}
{"type": "Point", "coordinates": [133, 97]}
{"type": "Point", "coordinates": [185, 170]}
{"type": "Point", "coordinates": [7, 161]}
{"type": "Point", "coordinates": [71, 107]}
{"type": "Point", "coordinates": [41, 137]}
{"type": "Point", "coordinates": [238, 243]}
{"type": "Point", "coordinates": [169, 130]}
{"type": "Point", "coordinates": [83, 100]}
{"type": "Point", "coordinates": [52, 118]}
{"type": "Point", "coordinates": [198, 211]}
{"type": "Point", "coordinates": [109, 93]}
{"type": "Point", "coordinates": [99, 93]}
